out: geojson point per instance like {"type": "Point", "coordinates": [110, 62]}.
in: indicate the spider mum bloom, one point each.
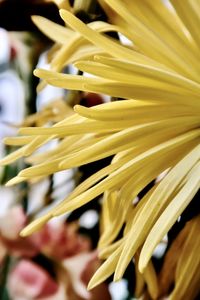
{"type": "Point", "coordinates": [155, 128]}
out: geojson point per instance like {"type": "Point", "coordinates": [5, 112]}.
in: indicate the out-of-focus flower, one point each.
{"type": "Point", "coordinates": [54, 112]}
{"type": "Point", "coordinates": [56, 240]}
{"type": "Point", "coordinates": [10, 226]}
{"type": "Point", "coordinates": [29, 281]}
{"type": "Point", "coordinates": [12, 223]}
{"type": "Point", "coordinates": [71, 253]}
{"type": "Point", "coordinates": [60, 241]}
{"type": "Point", "coordinates": [155, 127]}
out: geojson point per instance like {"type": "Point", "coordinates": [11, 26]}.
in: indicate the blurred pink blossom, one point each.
{"type": "Point", "coordinates": [75, 262]}
{"type": "Point", "coordinates": [29, 281]}
{"type": "Point", "coordinates": [10, 226]}
{"type": "Point", "coordinates": [12, 222]}
{"type": "Point", "coordinates": [60, 240]}
{"type": "Point", "coordinates": [56, 240]}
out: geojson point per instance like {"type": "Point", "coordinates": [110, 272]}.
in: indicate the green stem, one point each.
{"type": "Point", "coordinates": [3, 276]}
{"type": "Point", "coordinates": [24, 200]}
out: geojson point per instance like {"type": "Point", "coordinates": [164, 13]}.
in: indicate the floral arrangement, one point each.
{"type": "Point", "coordinates": [144, 55]}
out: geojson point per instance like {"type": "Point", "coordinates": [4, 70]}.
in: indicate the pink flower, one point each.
{"type": "Point", "coordinates": [56, 240]}
{"type": "Point", "coordinates": [12, 223]}
{"type": "Point", "coordinates": [60, 240]}
{"type": "Point", "coordinates": [10, 226]}
{"type": "Point", "coordinates": [29, 281]}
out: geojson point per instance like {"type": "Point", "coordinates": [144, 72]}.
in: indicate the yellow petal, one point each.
{"type": "Point", "coordinates": [35, 225]}
{"type": "Point", "coordinates": [167, 219]}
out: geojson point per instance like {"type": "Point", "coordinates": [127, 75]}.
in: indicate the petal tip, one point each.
{"type": "Point", "coordinates": [35, 225]}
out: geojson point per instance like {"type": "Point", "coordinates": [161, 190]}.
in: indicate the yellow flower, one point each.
{"type": "Point", "coordinates": [155, 127]}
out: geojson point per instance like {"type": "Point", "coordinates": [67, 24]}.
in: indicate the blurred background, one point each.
{"type": "Point", "coordinates": [58, 261]}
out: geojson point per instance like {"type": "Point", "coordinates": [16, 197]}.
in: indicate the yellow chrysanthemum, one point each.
{"type": "Point", "coordinates": [155, 128]}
